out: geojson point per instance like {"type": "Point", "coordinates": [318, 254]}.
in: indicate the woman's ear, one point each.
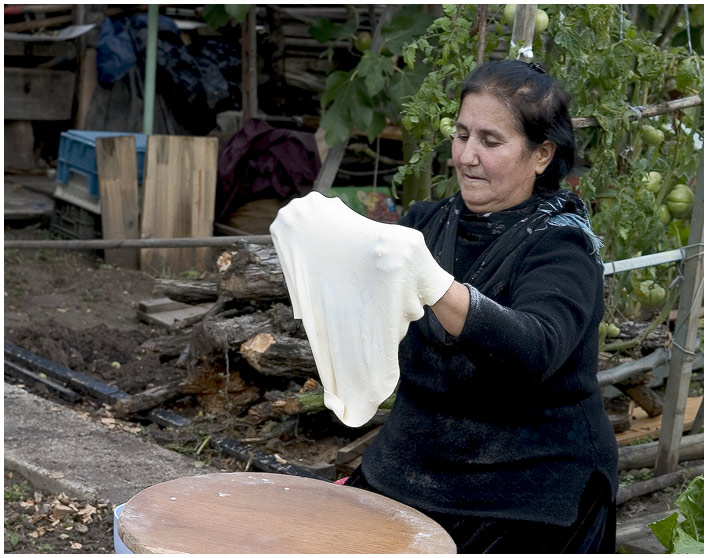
{"type": "Point", "coordinates": [544, 155]}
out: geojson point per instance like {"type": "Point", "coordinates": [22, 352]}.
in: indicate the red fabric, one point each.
{"type": "Point", "coordinates": [341, 481]}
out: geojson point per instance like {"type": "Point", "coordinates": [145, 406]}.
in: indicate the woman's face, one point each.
{"type": "Point", "coordinates": [495, 168]}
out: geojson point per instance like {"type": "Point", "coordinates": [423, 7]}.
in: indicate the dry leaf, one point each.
{"type": "Point", "coordinates": [76, 546]}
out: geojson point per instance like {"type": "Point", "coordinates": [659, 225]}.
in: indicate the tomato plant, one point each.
{"type": "Point", "coordinates": [614, 62]}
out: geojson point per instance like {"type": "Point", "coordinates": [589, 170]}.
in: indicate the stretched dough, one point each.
{"type": "Point", "coordinates": [356, 284]}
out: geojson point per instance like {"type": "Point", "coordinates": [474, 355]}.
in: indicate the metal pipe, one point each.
{"type": "Point", "coordinates": [107, 244]}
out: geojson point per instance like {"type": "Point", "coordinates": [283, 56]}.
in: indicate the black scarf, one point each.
{"type": "Point", "coordinates": [510, 228]}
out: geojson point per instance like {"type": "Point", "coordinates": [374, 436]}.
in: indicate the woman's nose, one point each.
{"type": "Point", "coordinates": [469, 155]}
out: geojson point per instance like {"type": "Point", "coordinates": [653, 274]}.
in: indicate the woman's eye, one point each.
{"type": "Point", "coordinates": [490, 142]}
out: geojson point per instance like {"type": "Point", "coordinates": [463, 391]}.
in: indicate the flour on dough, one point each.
{"type": "Point", "coordinates": [356, 284]}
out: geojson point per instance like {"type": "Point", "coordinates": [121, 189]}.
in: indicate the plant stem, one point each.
{"type": "Point", "coordinates": [631, 343]}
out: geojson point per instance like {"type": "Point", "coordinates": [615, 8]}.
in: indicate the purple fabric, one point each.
{"type": "Point", "coordinates": [260, 161]}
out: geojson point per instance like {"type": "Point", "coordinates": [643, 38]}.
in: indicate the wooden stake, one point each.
{"type": "Point", "coordinates": [689, 311]}
{"type": "Point", "coordinates": [522, 32]}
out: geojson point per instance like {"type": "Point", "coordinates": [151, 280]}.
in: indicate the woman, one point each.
{"type": "Point", "coordinates": [498, 431]}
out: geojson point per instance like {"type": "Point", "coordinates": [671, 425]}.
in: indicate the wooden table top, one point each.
{"type": "Point", "coordinates": [256, 513]}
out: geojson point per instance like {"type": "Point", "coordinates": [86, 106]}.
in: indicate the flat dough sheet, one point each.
{"type": "Point", "coordinates": [356, 284]}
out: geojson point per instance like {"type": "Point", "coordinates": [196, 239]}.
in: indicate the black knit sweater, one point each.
{"type": "Point", "coordinates": [507, 419]}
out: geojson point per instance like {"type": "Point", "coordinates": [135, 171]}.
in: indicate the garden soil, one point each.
{"type": "Point", "coordinates": [72, 308]}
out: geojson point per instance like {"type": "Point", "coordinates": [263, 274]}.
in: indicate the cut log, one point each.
{"type": "Point", "coordinates": [146, 400]}
{"type": "Point", "coordinates": [280, 355]}
{"type": "Point", "coordinates": [169, 347]}
{"type": "Point", "coordinates": [659, 338]}
{"type": "Point", "coordinates": [644, 455]}
{"type": "Point", "coordinates": [619, 422]}
{"type": "Point", "coordinates": [641, 488]}
{"type": "Point", "coordinates": [215, 336]}
{"type": "Point", "coordinates": [280, 403]}
{"type": "Point", "coordinates": [632, 368]}
{"type": "Point", "coordinates": [252, 272]}
{"type": "Point", "coordinates": [190, 292]}
{"type": "Point", "coordinates": [642, 394]}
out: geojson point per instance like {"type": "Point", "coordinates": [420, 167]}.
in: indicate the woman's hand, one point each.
{"type": "Point", "coordinates": [451, 310]}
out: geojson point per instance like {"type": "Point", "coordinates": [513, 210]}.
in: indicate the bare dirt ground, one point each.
{"type": "Point", "coordinates": [70, 307]}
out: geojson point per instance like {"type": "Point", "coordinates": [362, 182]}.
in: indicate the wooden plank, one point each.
{"type": "Point", "coordinates": [179, 193]}
{"type": "Point", "coordinates": [169, 318]}
{"type": "Point", "coordinates": [164, 304]}
{"type": "Point", "coordinates": [357, 447]}
{"type": "Point", "coordinates": [40, 49]}
{"type": "Point", "coordinates": [117, 166]}
{"type": "Point", "coordinates": [684, 341]}
{"type": "Point", "coordinates": [643, 425]}
{"type": "Point", "coordinates": [37, 94]}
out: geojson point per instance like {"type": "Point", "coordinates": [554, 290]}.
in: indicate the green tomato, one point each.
{"type": "Point", "coordinates": [603, 329]}
{"type": "Point", "coordinates": [652, 181]}
{"type": "Point", "coordinates": [509, 14]}
{"type": "Point", "coordinates": [651, 135]}
{"type": "Point", "coordinates": [680, 200]}
{"type": "Point", "coordinates": [686, 74]}
{"type": "Point", "coordinates": [541, 22]}
{"type": "Point", "coordinates": [650, 294]}
{"type": "Point", "coordinates": [447, 126]}
{"type": "Point", "coordinates": [613, 330]}
{"type": "Point", "coordinates": [664, 214]}
{"type": "Point", "coordinates": [362, 42]}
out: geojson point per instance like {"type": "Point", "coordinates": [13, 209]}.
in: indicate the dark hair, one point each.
{"type": "Point", "coordinates": [539, 106]}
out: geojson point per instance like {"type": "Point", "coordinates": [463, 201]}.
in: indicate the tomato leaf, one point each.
{"type": "Point", "coordinates": [375, 69]}
{"type": "Point", "coordinates": [405, 25]}
{"type": "Point", "coordinates": [237, 11]}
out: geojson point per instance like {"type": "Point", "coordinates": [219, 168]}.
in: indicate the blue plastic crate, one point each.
{"type": "Point", "coordinates": [77, 154]}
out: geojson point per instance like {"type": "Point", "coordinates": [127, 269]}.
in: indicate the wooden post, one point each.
{"type": "Point", "coordinates": [684, 342]}
{"type": "Point", "coordinates": [150, 69]}
{"type": "Point", "coordinates": [522, 32]}
{"type": "Point", "coordinates": [117, 165]}
{"type": "Point", "coordinates": [249, 66]}
{"type": "Point", "coordinates": [88, 80]}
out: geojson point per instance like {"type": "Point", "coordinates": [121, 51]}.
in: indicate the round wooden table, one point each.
{"type": "Point", "coordinates": [257, 513]}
